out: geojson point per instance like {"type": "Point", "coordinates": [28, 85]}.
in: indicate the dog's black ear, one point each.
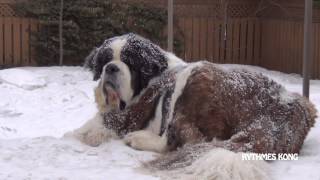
{"type": "Point", "coordinates": [88, 62]}
{"type": "Point", "coordinates": [145, 58]}
{"type": "Point", "coordinates": [97, 59]}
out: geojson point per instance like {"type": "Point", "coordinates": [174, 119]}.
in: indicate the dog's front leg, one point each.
{"type": "Point", "coordinates": [146, 141]}
{"type": "Point", "coordinates": [93, 132]}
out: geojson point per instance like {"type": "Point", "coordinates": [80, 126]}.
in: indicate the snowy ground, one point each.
{"type": "Point", "coordinates": [38, 105]}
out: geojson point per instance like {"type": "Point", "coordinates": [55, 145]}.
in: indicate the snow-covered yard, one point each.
{"type": "Point", "coordinates": [38, 105]}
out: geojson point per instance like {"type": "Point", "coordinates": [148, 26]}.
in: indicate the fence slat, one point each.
{"type": "Point", "coordinates": [243, 41]}
{"type": "Point", "coordinates": [203, 39]}
{"type": "Point", "coordinates": [16, 41]}
{"type": "Point", "coordinates": [8, 48]}
{"type": "Point", "coordinates": [291, 53]}
{"type": "Point", "coordinates": [250, 35]}
{"type": "Point", "coordinates": [314, 68]}
{"type": "Point", "coordinates": [264, 46]}
{"type": "Point", "coordinates": [216, 42]}
{"type": "Point", "coordinates": [1, 43]}
{"type": "Point", "coordinates": [229, 40]}
{"type": "Point", "coordinates": [222, 43]}
{"type": "Point", "coordinates": [274, 60]}
{"type": "Point", "coordinates": [181, 30]}
{"type": "Point", "coordinates": [32, 51]}
{"type": "Point", "coordinates": [196, 39]}
{"type": "Point", "coordinates": [188, 39]}
{"type": "Point", "coordinates": [300, 49]}
{"type": "Point", "coordinates": [268, 55]}
{"type": "Point", "coordinates": [282, 49]}
{"type": "Point", "coordinates": [316, 51]}
{"type": "Point", "coordinates": [257, 43]}
{"type": "Point", "coordinates": [290, 43]}
{"type": "Point", "coordinates": [210, 40]}
{"type": "Point", "coordinates": [236, 41]}
{"type": "Point", "coordinates": [295, 50]}
{"type": "Point", "coordinates": [25, 29]}
{"type": "Point", "coordinates": [284, 40]}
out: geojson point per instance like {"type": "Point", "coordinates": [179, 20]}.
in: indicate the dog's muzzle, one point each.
{"type": "Point", "coordinates": [111, 88]}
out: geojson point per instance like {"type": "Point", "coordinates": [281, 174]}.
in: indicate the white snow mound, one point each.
{"type": "Point", "coordinates": [22, 78]}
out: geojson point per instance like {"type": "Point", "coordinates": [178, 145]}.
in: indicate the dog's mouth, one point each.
{"type": "Point", "coordinates": [122, 105]}
{"type": "Point", "coordinates": [110, 84]}
{"type": "Point", "coordinates": [112, 96]}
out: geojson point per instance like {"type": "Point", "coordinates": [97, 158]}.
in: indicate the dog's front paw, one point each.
{"type": "Point", "coordinates": [135, 139]}
{"type": "Point", "coordinates": [68, 135]}
{"type": "Point", "coordinates": [96, 137]}
{"type": "Point", "coordinates": [93, 132]}
{"type": "Point", "coordinates": [145, 141]}
{"type": "Point", "coordinates": [92, 137]}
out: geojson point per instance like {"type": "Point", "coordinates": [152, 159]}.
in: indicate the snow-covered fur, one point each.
{"type": "Point", "coordinates": [223, 164]}
{"type": "Point", "coordinates": [246, 111]}
{"type": "Point", "coordinates": [205, 107]}
{"type": "Point", "coordinates": [124, 65]}
{"type": "Point", "coordinates": [188, 111]}
{"type": "Point", "coordinates": [215, 164]}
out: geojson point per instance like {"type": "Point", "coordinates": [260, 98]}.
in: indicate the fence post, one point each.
{"type": "Point", "coordinates": [307, 47]}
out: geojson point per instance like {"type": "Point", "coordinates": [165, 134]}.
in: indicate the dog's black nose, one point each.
{"type": "Point", "coordinates": [111, 68]}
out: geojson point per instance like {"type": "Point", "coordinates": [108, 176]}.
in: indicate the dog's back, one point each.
{"type": "Point", "coordinates": [246, 111]}
{"type": "Point", "coordinates": [238, 111]}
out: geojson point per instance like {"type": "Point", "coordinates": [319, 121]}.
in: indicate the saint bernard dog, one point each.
{"type": "Point", "coordinates": [157, 102]}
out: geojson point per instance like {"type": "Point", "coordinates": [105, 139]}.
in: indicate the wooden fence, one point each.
{"type": "Point", "coordinates": [15, 48]}
{"type": "Point", "coordinates": [15, 32]}
{"type": "Point", "coordinates": [282, 46]}
{"type": "Point", "coordinates": [251, 32]}
{"type": "Point", "coordinates": [237, 42]}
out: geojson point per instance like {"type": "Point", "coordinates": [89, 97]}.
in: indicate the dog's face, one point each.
{"type": "Point", "coordinates": [125, 65]}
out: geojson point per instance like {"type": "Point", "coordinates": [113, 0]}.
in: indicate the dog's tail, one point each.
{"type": "Point", "coordinates": [311, 112]}
{"type": "Point", "coordinates": [206, 162]}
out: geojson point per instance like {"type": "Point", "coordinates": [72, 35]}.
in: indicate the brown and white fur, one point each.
{"type": "Point", "coordinates": [190, 110]}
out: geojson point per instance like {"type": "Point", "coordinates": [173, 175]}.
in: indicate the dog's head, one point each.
{"type": "Point", "coordinates": [125, 65]}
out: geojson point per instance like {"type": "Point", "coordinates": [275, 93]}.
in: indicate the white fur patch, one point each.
{"type": "Point", "coordinates": [93, 132]}
{"type": "Point", "coordinates": [226, 165]}
{"type": "Point", "coordinates": [149, 139]}
{"type": "Point", "coordinates": [181, 81]}
{"type": "Point", "coordinates": [173, 61]}
{"type": "Point", "coordinates": [146, 141]}
{"type": "Point", "coordinates": [154, 125]}
{"type": "Point", "coordinates": [117, 46]}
